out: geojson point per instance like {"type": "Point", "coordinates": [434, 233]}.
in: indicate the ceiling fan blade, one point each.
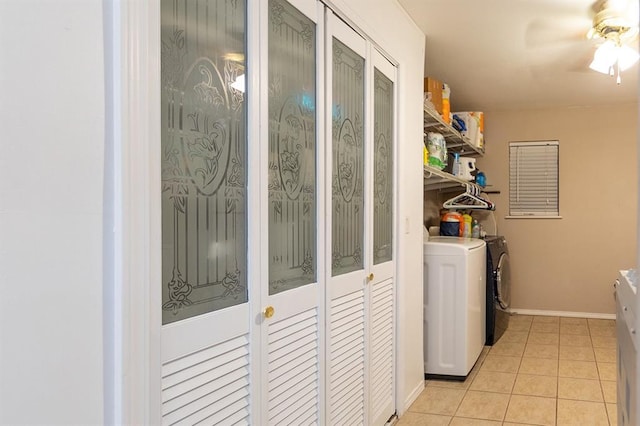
{"type": "Point", "coordinates": [543, 32]}
{"type": "Point", "coordinates": [560, 59]}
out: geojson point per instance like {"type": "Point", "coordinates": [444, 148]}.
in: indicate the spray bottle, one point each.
{"type": "Point", "coordinates": [456, 167]}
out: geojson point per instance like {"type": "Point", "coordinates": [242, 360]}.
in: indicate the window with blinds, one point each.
{"type": "Point", "coordinates": [533, 179]}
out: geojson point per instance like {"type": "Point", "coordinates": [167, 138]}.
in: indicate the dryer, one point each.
{"type": "Point", "coordinates": [498, 288]}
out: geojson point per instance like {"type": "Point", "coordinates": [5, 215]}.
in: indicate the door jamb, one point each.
{"type": "Point", "coordinates": [132, 255]}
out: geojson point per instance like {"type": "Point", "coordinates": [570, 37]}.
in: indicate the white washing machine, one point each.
{"type": "Point", "coordinates": [454, 305]}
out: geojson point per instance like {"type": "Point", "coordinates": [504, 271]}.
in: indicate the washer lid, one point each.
{"type": "Point", "coordinates": [451, 245]}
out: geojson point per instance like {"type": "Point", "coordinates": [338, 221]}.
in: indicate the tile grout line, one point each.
{"type": "Point", "coordinates": [529, 332]}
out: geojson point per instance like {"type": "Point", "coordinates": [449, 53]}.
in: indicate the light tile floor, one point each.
{"type": "Point", "coordinates": [543, 371]}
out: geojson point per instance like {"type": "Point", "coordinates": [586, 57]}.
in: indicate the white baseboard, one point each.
{"type": "Point", "coordinates": [412, 397]}
{"type": "Point", "coordinates": [562, 314]}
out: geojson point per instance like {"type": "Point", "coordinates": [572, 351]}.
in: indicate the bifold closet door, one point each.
{"type": "Point", "coordinates": [347, 243]}
{"type": "Point", "coordinates": [360, 285]}
{"type": "Point", "coordinates": [382, 301]}
{"type": "Point", "coordinates": [205, 334]}
{"type": "Point", "coordinates": [292, 317]}
{"type": "Point", "coordinates": [277, 208]}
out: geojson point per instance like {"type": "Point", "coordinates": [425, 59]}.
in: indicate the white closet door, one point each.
{"type": "Point", "coordinates": [292, 318]}
{"type": "Point", "coordinates": [205, 304]}
{"type": "Point", "coordinates": [383, 292]}
{"type": "Point", "coordinates": [346, 217]}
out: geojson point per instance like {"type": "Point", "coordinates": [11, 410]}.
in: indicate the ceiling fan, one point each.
{"type": "Point", "coordinates": [615, 27]}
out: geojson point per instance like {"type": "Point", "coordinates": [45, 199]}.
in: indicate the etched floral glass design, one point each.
{"type": "Point", "coordinates": [347, 160]}
{"type": "Point", "coordinates": [204, 146]}
{"type": "Point", "coordinates": [292, 148]}
{"type": "Point", "coordinates": [382, 168]}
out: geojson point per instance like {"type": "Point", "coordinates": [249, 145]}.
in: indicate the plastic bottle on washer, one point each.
{"type": "Point", "coordinates": [475, 229]}
{"type": "Point", "coordinates": [466, 232]}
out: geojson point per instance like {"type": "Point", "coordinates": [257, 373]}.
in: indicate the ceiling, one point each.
{"type": "Point", "coordinates": [516, 54]}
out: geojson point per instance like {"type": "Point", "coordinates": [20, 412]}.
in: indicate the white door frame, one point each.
{"type": "Point", "coordinates": [132, 206]}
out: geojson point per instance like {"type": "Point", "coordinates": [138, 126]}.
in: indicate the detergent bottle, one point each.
{"type": "Point", "coordinates": [451, 224]}
{"type": "Point", "coordinates": [468, 224]}
{"type": "Point", "coordinates": [446, 103]}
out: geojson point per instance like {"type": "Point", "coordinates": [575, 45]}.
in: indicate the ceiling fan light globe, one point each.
{"type": "Point", "coordinates": [606, 55]}
{"type": "Point", "coordinates": [600, 67]}
{"type": "Point", "coordinates": [627, 57]}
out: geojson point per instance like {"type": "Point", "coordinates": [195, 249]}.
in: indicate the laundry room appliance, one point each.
{"type": "Point", "coordinates": [627, 347]}
{"type": "Point", "coordinates": [454, 305]}
{"type": "Point", "coordinates": [498, 288]}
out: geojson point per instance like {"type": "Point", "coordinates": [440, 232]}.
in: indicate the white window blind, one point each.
{"type": "Point", "coordinates": [533, 178]}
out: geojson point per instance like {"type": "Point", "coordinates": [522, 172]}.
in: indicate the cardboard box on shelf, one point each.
{"type": "Point", "coordinates": [433, 86]}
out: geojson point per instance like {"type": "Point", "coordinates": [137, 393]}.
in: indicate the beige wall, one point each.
{"type": "Point", "coordinates": [569, 264]}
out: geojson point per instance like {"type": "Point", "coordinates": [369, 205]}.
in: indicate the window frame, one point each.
{"type": "Point", "coordinates": [539, 212]}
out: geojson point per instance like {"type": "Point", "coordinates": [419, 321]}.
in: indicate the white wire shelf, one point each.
{"type": "Point", "coordinates": [455, 141]}
{"type": "Point", "coordinates": [438, 179]}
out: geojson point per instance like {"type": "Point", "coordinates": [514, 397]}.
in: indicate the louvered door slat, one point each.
{"type": "Point", "coordinates": [383, 395]}
{"type": "Point", "coordinates": [240, 418]}
{"type": "Point", "coordinates": [347, 353]}
{"type": "Point", "coordinates": [214, 380]}
{"type": "Point", "coordinates": [348, 341]}
{"type": "Point", "coordinates": [349, 412]}
{"type": "Point", "coordinates": [345, 378]}
{"type": "Point", "coordinates": [347, 309]}
{"type": "Point", "coordinates": [280, 397]}
{"type": "Point", "coordinates": [292, 344]}
{"type": "Point", "coordinates": [299, 327]}
{"type": "Point", "coordinates": [346, 325]}
{"type": "Point", "coordinates": [280, 368]}
{"type": "Point", "coordinates": [203, 355]}
{"type": "Point", "coordinates": [293, 368]}
{"type": "Point", "coordinates": [306, 410]}
{"type": "Point", "coordinates": [352, 397]}
{"type": "Point", "coordinates": [346, 301]}
{"type": "Point", "coordinates": [351, 366]}
{"type": "Point", "coordinates": [296, 406]}
{"type": "Point", "coordinates": [215, 375]}
{"type": "Point", "coordinates": [214, 415]}
{"type": "Point", "coordinates": [215, 389]}
{"type": "Point", "coordinates": [347, 348]}
{"type": "Point", "coordinates": [311, 419]}
{"type": "Point", "coordinates": [225, 363]}
{"type": "Point", "coordinates": [283, 361]}
{"type": "Point", "coordinates": [382, 348]}
{"type": "Point", "coordinates": [291, 323]}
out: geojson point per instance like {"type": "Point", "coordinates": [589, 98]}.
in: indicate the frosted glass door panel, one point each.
{"type": "Point", "coordinates": [383, 169]}
{"type": "Point", "coordinates": [292, 148]}
{"type": "Point", "coordinates": [347, 160]}
{"type": "Point", "coordinates": [204, 248]}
